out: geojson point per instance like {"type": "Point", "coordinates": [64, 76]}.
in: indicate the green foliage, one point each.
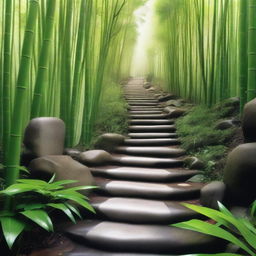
{"type": "Point", "coordinates": [196, 49]}
{"type": "Point", "coordinates": [236, 230]}
{"type": "Point", "coordinates": [34, 200]}
{"type": "Point", "coordinates": [112, 113]}
{"type": "Point", "coordinates": [197, 129]}
{"type": "Point", "coordinates": [200, 138]}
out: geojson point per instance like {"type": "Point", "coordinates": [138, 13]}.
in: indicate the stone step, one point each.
{"type": "Point", "coordinates": [145, 112]}
{"type": "Point", "coordinates": [152, 135]}
{"type": "Point", "coordinates": [151, 121]}
{"type": "Point", "coordinates": [141, 211]}
{"type": "Point", "coordinates": [139, 95]}
{"type": "Point", "coordinates": [149, 190]}
{"type": "Point", "coordinates": [135, 103]}
{"type": "Point", "coordinates": [143, 174]}
{"type": "Point", "coordinates": [148, 116]}
{"type": "Point", "coordinates": [130, 109]}
{"type": "Point", "coordinates": [150, 151]}
{"type": "Point", "coordinates": [88, 251]}
{"type": "Point", "coordinates": [142, 101]}
{"type": "Point", "coordinates": [146, 161]}
{"type": "Point", "coordinates": [141, 98]}
{"type": "Point", "coordinates": [151, 128]}
{"type": "Point", "coordinates": [151, 142]}
{"type": "Point", "coordinates": [134, 238]}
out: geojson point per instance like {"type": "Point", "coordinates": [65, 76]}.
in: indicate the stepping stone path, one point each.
{"type": "Point", "coordinates": [140, 193]}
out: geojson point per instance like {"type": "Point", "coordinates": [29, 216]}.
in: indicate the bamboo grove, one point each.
{"type": "Point", "coordinates": [204, 50]}
{"type": "Point", "coordinates": [56, 56]}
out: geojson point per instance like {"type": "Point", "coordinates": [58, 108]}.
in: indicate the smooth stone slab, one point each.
{"type": "Point", "coordinates": [145, 108]}
{"type": "Point", "coordinates": [151, 121]}
{"type": "Point", "coordinates": [150, 151]}
{"type": "Point", "coordinates": [139, 98]}
{"type": "Point", "coordinates": [141, 101]}
{"type": "Point", "coordinates": [86, 251]}
{"type": "Point", "coordinates": [120, 237]}
{"type": "Point", "coordinates": [152, 135]}
{"type": "Point", "coordinates": [147, 161]}
{"type": "Point", "coordinates": [148, 116]}
{"type": "Point", "coordinates": [134, 103]}
{"type": "Point", "coordinates": [145, 112]}
{"type": "Point", "coordinates": [151, 128]}
{"type": "Point", "coordinates": [143, 174]}
{"type": "Point", "coordinates": [151, 142]}
{"type": "Point", "coordinates": [172, 191]}
{"type": "Point", "coordinates": [141, 211]}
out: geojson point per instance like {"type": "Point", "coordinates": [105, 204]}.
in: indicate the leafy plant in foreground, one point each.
{"type": "Point", "coordinates": [34, 199]}
{"type": "Point", "coordinates": [236, 230]}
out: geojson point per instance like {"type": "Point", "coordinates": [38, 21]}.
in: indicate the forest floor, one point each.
{"type": "Point", "coordinates": [210, 134]}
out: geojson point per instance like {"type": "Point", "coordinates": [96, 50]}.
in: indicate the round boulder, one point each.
{"type": "Point", "coordinates": [212, 193]}
{"type": "Point", "coordinates": [147, 85]}
{"type": "Point", "coordinates": [249, 121]}
{"type": "Point", "coordinates": [45, 136]}
{"type": "Point", "coordinates": [166, 97]}
{"type": "Point", "coordinates": [174, 112]}
{"type": "Point", "coordinates": [109, 141]}
{"type": "Point", "coordinates": [95, 157]}
{"type": "Point", "coordinates": [240, 175]}
{"type": "Point", "coordinates": [227, 124]}
{"type": "Point", "coordinates": [64, 167]}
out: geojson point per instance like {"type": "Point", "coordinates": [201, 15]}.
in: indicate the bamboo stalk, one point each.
{"type": "Point", "coordinates": [251, 89]}
{"type": "Point", "coordinates": [14, 148]}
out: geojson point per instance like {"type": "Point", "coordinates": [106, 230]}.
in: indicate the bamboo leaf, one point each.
{"type": "Point", "coordinates": [40, 217]}
{"type": "Point", "coordinates": [12, 228]}
{"type": "Point", "coordinates": [209, 229]}
{"type": "Point", "coordinates": [65, 209]}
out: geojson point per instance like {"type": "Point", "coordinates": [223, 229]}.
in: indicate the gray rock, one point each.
{"type": "Point", "coordinates": [151, 89]}
{"type": "Point", "coordinates": [95, 157]}
{"type": "Point", "coordinates": [166, 97]}
{"type": "Point", "coordinates": [174, 112]}
{"type": "Point", "coordinates": [194, 163]}
{"type": "Point", "coordinates": [249, 121]}
{"type": "Point", "coordinates": [197, 178]}
{"type": "Point", "coordinates": [124, 237]}
{"type": "Point", "coordinates": [147, 85]}
{"type": "Point", "coordinates": [227, 124]}
{"type": "Point", "coordinates": [45, 136]}
{"type": "Point", "coordinates": [174, 103]}
{"type": "Point", "coordinates": [212, 193]}
{"type": "Point", "coordinates": [109, 141]}
{"type": "Point", "coordinates": [64, 167]}
{"type": "Point", "coordinates": [240, 175]}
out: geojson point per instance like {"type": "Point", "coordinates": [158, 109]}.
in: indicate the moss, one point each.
{"type": "Point", "coordinates": [200, 138]}
{"type": "Point", "coordinates": [112, 113]}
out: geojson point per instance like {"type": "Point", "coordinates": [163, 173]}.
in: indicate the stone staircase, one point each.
{"type": "Point", "coordinates": [139, 194]}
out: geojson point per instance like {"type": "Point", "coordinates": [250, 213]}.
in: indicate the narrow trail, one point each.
{"type": "Point", "coordinates": [140, 193]}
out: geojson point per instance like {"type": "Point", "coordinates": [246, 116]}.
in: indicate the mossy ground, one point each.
{"type": "Point", "coordinates": [200, 138]}
{"type": "Point", "coordinates": [112, 113]}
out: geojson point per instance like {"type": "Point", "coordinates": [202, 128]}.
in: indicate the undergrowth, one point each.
{"type": "Point", "coordinates": [200, 138]}
{"type": "Point", "coordinates": [112, 113]}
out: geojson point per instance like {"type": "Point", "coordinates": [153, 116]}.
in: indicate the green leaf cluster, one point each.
{"type": "Point", "coordinates": [236, 230]}
{"type": "Point", "coordinates": [34, 200]}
